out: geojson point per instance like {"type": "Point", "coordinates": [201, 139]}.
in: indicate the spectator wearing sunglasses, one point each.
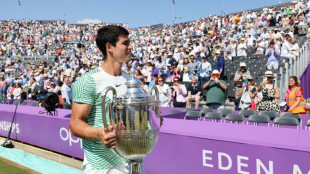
{"type": "Point", "coordinates": [164, 93]}
{"type": "Point", "coordinates": [179, 93]}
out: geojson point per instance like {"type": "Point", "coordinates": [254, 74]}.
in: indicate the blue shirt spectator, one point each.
{"type": "Point", "coordinates": [220, 64]}
{"type": "Point", "coordinates": [204, 70]}
{"type": "Point", "coordinates": [272, 53]}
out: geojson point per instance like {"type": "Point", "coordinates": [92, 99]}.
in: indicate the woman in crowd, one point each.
{"type": "Point", "coordinates": [179, 93]}
{"type": "Point", "coordinates": [185, 71]}
{"type": "Point", "coordinates": [234, 44]}
{"type": "Point", "coordinates": [164, 93]}
{"type": "Point", "coordinates": [260, 46]}
{"type": "Point", "coordinates": [294, 98]}
{"type": "Point", "coordinates": [269, 94]}
{"type": "Point", "coordinates": [17, 91]}
{"type": "Point", "coordinates": [248, 94]}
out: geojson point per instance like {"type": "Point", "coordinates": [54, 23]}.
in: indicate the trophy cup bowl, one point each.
{"type": "Point", "coordinates": [136, 118]}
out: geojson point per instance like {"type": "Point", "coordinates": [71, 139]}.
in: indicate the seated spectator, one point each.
{"type": "Point", "coordinates": [272, 53]}
{"type": "Point", "coordinates": [194, 92]}
{"type": "Point", "coordinates": [260, 46]}
{"type": "Point", "coordinates": [164, 93]}
{"type": "Point", "coordinates": [286, 50]}
{"type": "Point", "coordinates": [241, 49]}
{"type": "Point", "coordinates": [178, 93]}
{"type": "Point", "coordinates": [227, 50]}
{"type": "Point", "coordinates": [204, 70]}
{"type": "Point", "coordinates": [294, 98]}
{"type": "Point", "coordinates": [192, 67]}
{"type": "Point", "coordinates": [234, 44]}
{"type": "Point", "coordinates": [295, 47]}
{"type": "Point", "coordinates": [269, 93]}
{"type": "Point", "coordinates": [144, 86]}
{"type": "Point", "coordinates": [17, 91]}
{"type": "Point", "coordinates": [248, 94]}
{"type": "Point", "coordinates": [215, 91]}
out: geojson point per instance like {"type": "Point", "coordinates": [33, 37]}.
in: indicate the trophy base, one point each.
{"type": "Point", "coordinates": [132, 167]}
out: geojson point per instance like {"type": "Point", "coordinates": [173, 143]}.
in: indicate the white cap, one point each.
{"type": "Point", "coordinates": [217, 52]}
{"type": "Point", "coordinates": [215, 72]}
{"type": "Point", "coordinates": [242, 64]}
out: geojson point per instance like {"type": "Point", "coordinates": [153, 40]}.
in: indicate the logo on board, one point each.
{"type": "Point", "coordinates": [66, 135]}
{"type": "Point", "coordinates": [5, 126]}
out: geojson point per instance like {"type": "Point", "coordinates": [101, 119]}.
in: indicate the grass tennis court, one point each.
{"type": "Point", "coordinates": [9, 167]}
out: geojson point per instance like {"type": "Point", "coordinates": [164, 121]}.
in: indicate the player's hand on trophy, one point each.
{"type": "Point", "coordinates": [108, 137]}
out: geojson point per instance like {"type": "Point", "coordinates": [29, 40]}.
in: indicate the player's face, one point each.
{"type": "Point", "coordinates": [121, 51]}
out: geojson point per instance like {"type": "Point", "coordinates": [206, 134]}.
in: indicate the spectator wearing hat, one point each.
{"type": "Point", "coordinates": [239, 78]}
{"type": "Point", "coordinates": [220, 64]}
{"type": "Point", "coordinates": [215, 91]}
{"type": "Point", "coordinates": [260, 46]}
{"type": "Point", "coordinates": [241, 49]}
{"type": "Point", "coordinates": [204, 69]}
{"type": "Point", "coordinates": [52, 88]}
{"type": "Point", "coordinates": [269, 93]}
{"type": "Point", "coordinates": [194, 92]}
{"type": "Point", "coordinates": [227, 50]}
{"type": "Point", "coordinates": [247, 101]}
{"type": "Point", "coordinates": [272, 53]}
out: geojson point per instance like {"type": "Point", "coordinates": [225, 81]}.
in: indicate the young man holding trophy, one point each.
{"type": "Point", "coordinates": [86, 119]}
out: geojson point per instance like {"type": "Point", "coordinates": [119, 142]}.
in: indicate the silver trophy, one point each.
{"type": "Point", "coordinates": [136, 118]}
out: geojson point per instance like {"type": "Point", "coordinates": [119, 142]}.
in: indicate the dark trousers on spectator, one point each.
{"type": "Point", "coordinates": [65, 104]}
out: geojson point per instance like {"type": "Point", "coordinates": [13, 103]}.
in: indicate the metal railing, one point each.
{"type": "Point", "coordinates": [294, 67]}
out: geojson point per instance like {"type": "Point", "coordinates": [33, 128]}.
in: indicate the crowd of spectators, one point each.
{"type": "Point", "coordinates": [175, 58]}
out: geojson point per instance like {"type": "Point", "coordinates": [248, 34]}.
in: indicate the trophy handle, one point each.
{"type": "Point", "coordinates": [156, 92]}
{"type": "Point", "coordinates": [103, 99]}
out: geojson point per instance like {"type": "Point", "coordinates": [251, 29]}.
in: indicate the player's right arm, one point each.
{"type": "Point", "coordinates": [79, 128]}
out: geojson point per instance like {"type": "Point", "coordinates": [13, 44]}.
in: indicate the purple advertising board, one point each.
{"type": "Point", "coordinates": [40, 130]}
{"type": "Point", "coordinates": [184, 146]}
{"type": "Point", "coordinates": [207, 147]}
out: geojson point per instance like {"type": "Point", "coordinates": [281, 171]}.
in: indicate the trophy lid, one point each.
{"type": "Point", "coordinates": [134, 93]}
